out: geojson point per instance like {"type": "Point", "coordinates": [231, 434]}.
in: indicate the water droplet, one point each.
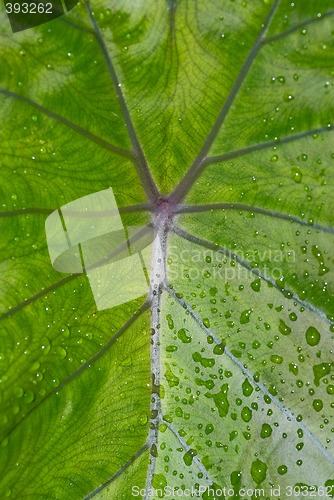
{"type": "Point", "coordinates": [16, 409]}
{"type": "Point", "coordinates": [275, 358]}
{"type": "Point", "coordinates": [297, 175]}
{"type": "Point", "coordinates": [282, 469]}
{"type": "Point", "coordinates": [266, 431]}
{"type": "Point", "coordinates": [159, 481]}
{"type": "Point", "coordinates": [170, 322]}
{"type": "Point", "coordinates": [18, 392]}
{"type": "Point", "coordinates": [219, 349]}
{"type": "Point", "coordinates": [258, 471]}
{"type": "Point", "coordinates": [246, 414]}
{"type": "Point", "coordinates": [143, 419]}
{"type": "Point", "coordinates": [206, 362]}
{"type": "Point", "coordinates": [208, 429]}
{"type": "Point", "coordinates": [283, 328]}
{"type": "Point", "coordinates": [312, 336]}
{"type": "Point", "coordinates": [247, 388]}
{"type": "Point", "coordinates": [46, 345]}
{"type": "Point", "coordinates": [182, 334]}
{"type": "Point", "coordinates": [245, 316]}
{"type": "Point", "coordinates": [188, 457]}
{"type": "Point", "coordinates": [5, 441]}
{"type": "Point", "coordinates": [256, 285]}
{"type": "Point", "coordinates": [318, 404]}
{"type": "Point", "coordinates": [206, 322]}
{"type": "Point", "coordinates": [293, 368]}
{"type": "Point", "coordinates": [29, 397]}
{"type": "Point", "coordinates": [293, 316]}
{"type": "Point", "coordinates": [220, 400]}
{"type": "Point", "coordinates": [172, 379]}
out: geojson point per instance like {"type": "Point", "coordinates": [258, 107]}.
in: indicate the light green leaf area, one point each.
{"type": "Point", "coordinates": [212, 122]}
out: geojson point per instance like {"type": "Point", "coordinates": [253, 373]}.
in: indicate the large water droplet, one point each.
{"type": "Point", "coordinates": [266, 431]}
{"type": "Point", "coordinates": [312, 336]}
{"type": "Point", "coordinates": [188, 457]}
{"type": "Point", "coordinates": [258, 471]}
{"type": "Point", "coordinates": [247, 388]}
{"type": "Point", "coordinates": [246, 414]}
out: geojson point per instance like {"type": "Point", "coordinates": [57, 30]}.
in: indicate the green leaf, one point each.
{"type": "Point", "coordinates": [212, 123]}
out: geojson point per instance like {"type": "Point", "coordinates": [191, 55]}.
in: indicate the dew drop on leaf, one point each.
{"type": "Point", "coordinates": [219, 349]}
{"type": "Point", "coordinates": [61, 352]}
{"type": "Point", "coordinates": [170, 322]}
{"type": "Point", "coordinates": [256, 285]}
{"type": "Point", "coordinates": [247, 388]}
{"type": "Point", "coordinates": [245, 316]}
{"type": "Point", "coordinates": [282, 469]}
{"type": "Point", "coordinates": [209, 428]}
{"type": "Point", "coordinates": [312, 336]}
{"type": "Point", "coordinates": [275, 358]}
{"type": "Point", "coordinates": [297, 175]}
{"type": "Point", "coordinates": [293, 368]}
{"type": "Point", "coordinates": [46, 345]}
{"type": "Point", "coordinates": [206, 322]}
{"type": "Point", "coordinates": [317, 405]}
{"type": "Point", "coordinates": [18, 392]}
{"type": "Point", "coordinates": [246, 414]}
{"type": "Point", "coordinates": [159, 481]}
{"type": "Point", "coordinates": [221, 400]}
{"type": "Point", "coordinates": [182, 334]}
{"type": "Point", "coordinates": [143, 419]}
{"type": "Point", "coordinates": [188, 457]}
{"type": "Point", "coordinates": [258, 471]}
{"type": "Point", "coordinates": [266, 431]}
{"type": "Point", "coordinates": [172, 379]}
{"type": "Point", "coordinates": [29, 397]}
{"type": "Point", "coordinates": [283, 328]}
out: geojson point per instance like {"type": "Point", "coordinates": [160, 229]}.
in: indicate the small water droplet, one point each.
{"type": "Point", "coordinates": [46, 345]}
{"type": "Point", "coordinates": [297, 175]}
{"type": "Point", "coordinates": [247, 388]}
{"type": "Point", "coordinates": [188, 457]}
{"type": "Point", "coordinates": [282, 469]}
